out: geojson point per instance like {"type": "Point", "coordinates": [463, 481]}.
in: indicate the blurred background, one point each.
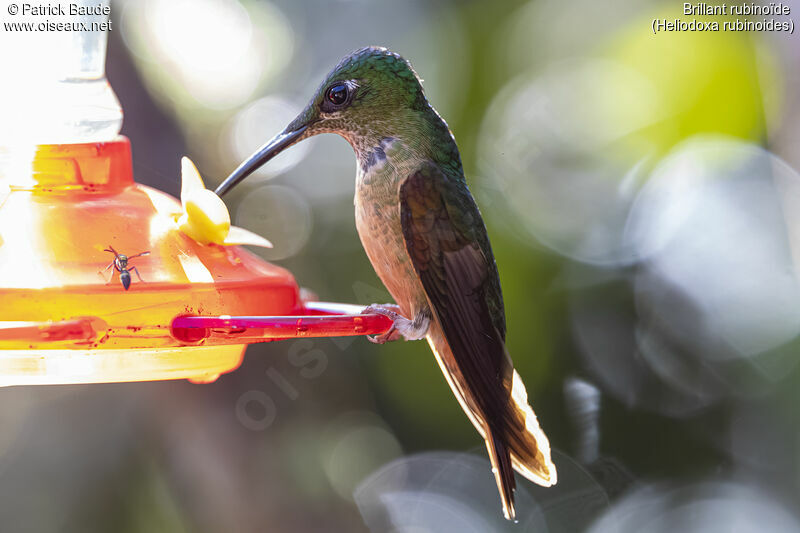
{"type": "Point", "coordinates": [642, 196]}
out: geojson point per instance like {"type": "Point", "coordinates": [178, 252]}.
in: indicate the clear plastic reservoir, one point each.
{"type": "Point", "coordinates": [54, 89]}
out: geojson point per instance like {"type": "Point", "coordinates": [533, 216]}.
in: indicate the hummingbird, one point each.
{"type": "Point", "coordinates": [425, 237]}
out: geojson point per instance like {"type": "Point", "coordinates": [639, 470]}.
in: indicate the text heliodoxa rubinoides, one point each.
{"type": "Point", "coordinates": [773, 16]}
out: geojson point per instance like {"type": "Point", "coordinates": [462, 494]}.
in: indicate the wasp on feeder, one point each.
{"type": "Point", "coordinates": [120, 264]}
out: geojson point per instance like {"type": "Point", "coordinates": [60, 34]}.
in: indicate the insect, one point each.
{"type": "Point", "coordinates": [120, 264]}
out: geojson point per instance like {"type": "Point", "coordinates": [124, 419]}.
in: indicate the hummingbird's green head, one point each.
{"type": "Point", "coordinates": [367, 88]}
{"type": "Point", "coordinates": [370, 92]}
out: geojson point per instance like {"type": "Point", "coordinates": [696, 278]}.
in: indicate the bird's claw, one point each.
{"type": "Point", "coordinates": [402, 327]}
{"type": "Point", "coordinates": [388, 310]}
{"type": "Point", "coordinates": [392, 335]}
{"type": "Point", "coordinates": [391, 312]}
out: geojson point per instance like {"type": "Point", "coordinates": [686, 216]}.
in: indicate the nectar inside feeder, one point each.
{"type": "Point", "coordinates": [68, 197]}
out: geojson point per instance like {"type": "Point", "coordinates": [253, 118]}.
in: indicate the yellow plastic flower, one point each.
{"type": "Point", "coordinates": [205, 217]}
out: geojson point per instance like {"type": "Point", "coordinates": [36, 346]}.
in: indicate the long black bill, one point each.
{"type": "Point", "coordinates": [279, 143]}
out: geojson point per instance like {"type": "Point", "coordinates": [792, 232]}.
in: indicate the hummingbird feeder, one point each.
{"type": "Point", "coordinates": [97, 283]}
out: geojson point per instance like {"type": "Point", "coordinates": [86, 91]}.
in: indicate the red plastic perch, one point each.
{"type": "Point", "coordinates": [324, 319]}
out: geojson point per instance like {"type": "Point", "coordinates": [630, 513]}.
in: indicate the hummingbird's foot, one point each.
{"type": "Point", "coordinates": [410, 330]}
{"type": "Point", "coordinates": [392, 335]}
{"type": "Point", "coordinates": [390, 310]}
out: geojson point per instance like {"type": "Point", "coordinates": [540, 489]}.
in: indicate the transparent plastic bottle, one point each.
{"type": "Point", "coordinates": [53, 88]}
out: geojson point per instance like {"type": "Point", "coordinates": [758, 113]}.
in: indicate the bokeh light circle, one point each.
{"type": "Point", "coordinates": [555, 146]}
{"type": "Point", "coordinates": [715, 224]}
{"type": "Point", "coordinates": [216, 52]}
{"type": "Point", "coordinates": [357, 443]}
{"type": "Point", "coordinates": [255, 125]}
{"type": "Point", "coordinates": [279, 214]}
{"type": "Point", "coordinates": [706, 508]}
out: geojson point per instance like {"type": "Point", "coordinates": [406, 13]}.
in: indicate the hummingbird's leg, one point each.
{"type": "Point", "coordinates": [381, 309]}
{"type": "Point", "coordinates": [392, 335]}
{"type": "Point", "coordinates": [410, 330]}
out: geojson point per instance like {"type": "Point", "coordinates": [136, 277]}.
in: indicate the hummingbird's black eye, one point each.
{"type": "Point", "coordinates": [337, 94]}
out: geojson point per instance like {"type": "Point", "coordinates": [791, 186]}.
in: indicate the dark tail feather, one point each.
{"type": "Point", "coordinates": [503, 470]}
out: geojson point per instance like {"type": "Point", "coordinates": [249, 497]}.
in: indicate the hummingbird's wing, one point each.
{"type": "Point", "coordinates": [449, 248]}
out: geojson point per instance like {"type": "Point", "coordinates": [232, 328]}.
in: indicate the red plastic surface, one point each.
{"type": "Point", "coordinates": [77, 330]}
{"type": "Point", "coordinates": [325, 320]}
